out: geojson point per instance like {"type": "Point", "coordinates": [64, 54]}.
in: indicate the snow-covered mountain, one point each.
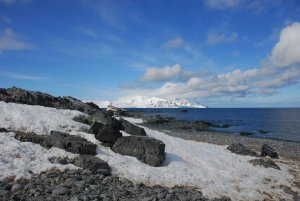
{"type": "Point", "coordinates": [154, 102]}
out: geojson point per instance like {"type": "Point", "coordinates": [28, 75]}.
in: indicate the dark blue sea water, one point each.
{"type": "Point", "coordinates": [279, 123]}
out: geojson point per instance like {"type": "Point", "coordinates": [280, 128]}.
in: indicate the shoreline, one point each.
{"type": "Point", "coordinates": [286, 149]}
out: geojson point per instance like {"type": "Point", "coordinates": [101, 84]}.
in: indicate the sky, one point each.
{"type": "Point", "coordinates": [221, 53]}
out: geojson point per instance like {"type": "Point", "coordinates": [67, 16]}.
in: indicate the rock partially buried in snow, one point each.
{"type": "Point", "coordinates": [148, 150]}
{"type": "Point", "coordinates": [109, 133]}
{"type": "Point", "coordinates": [71, 143]}
{"type": "Point", "coordinates": [132, 129]}
{"type": "Point", "coordinates": [92, 163]}
{"type": "Point", "coordinates": [95, 127]}
{"type": "Point", "coordinates": [240, 149]}
{"type": "Point", "coordinates": [267, 163]}
{"type": "Point", "coordinates": [266, 150]}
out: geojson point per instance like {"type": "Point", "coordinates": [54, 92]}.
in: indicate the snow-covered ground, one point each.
{"type": "Point", "coordinates": [211, 168]}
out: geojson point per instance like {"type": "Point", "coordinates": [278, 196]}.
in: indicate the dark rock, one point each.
{"type": "Point", "coordinates": [92, 163]}
{"type": "Point", "coordinates": [3, 130]}
{"type": "Point", "coordinates": [149, 150]}
{"type": "Point", "coordinates": [263, 131]}
{"type": "Point", "coordinates": [266, 150]}
{"type": "Point", "coordinates": [17, 95]}
{"type": "Point", "coordinates": [240, 149]}
{"type": "Point", "coordinates": [100, 116]}
{"type": "Point", "coordinates": [83, 119]}
{"type": "Point", "coordinates": [267, 163]}
{"type": "Point", "coordinates": [95, 127]}
{"type": "Point", "coordinates": [71, 143]}
{"type": "Point", "coordinates": [131, 128]}
{"type": "Point", "coordinates": [60, 160]}
{"type": "Point", "coordinates": [246, 133]}
{"type": "Point", "coordinates": [184, 111]}
{"type": "Point", "coordinates": [109, 133]}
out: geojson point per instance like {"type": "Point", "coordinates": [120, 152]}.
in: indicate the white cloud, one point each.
{"type": "Point", "coordinates": [9, 41]}
{"type": "Point", "coordinates": [213, 38]}
{"type": "Point", "coordinates": [222, 4]}
{"type": "Point", "coordinates": [280, 69]}
{"type": "Point", "coordinates": [177, 42]}
{"type": "Point", "coordinates": [287, 51]}
{"type": "Point", "coordinates": [161, 74]}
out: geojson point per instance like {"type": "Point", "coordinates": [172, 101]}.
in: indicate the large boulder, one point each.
{"type": "Point", "coordinates": [266, 150]}
{"type": "Point", "coordinates": [131, 128]}
{"type": "Point", "coordinates": [148, 150]}
{"type": "Point", "coordinates": [95, 127]}
{"type": "Point", "coordinates": [109, 133]}
{"type": "Point", "coordinates": [102, 116]}
{"type": "Point", "coordinates": [240, 149]}
{"type": "Point", "coordinates": [71, 143]}
{"type": "Point", "coordinates": [17, 95]}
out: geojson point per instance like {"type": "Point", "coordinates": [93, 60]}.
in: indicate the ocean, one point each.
{"type": "Point", "coordinates": [274, 123]}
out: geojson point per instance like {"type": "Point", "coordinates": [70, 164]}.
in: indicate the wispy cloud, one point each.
{"type": "Point", "coordinates": [222, 4]}
{"type": "Point", "coordinates": [214, 38]}
{"type": "Point", "coordinates": [9, 41]}
{"type": "Point", "coordinates": [177, 42]}
{"type": "Point", "coordinates": [255, 5]}
{"type": "Point", "coordinates": [17, 76]}
{"type": "Point", "coordinates": [15, 2]}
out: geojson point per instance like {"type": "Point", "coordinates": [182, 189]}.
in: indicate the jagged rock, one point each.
{"type": "Point", "coordinates": [83, 119]}
{"type": "Point", "coordinates": [17, 95]}
{"type": "Point", "coordinates": [240, 149]}
{"type": "Point", "coordinates": [131, 128]}
{"type": "Point", "coordinates": [101, 116]}
{"type": "Point", "coordinates": [109, 133]}
{"type": "Point", "coordinates": [267, 163]}
{"type": "Point", "coordinates": [149, 150]}
{"type": "Point", "coordinates": [92, 163]}
{"type": "Point", "coordinates": [95, 127]}
{"type": "Point", "coordinates": [71, 143]}
{"type": "Point", "coordinates": [266, 150]}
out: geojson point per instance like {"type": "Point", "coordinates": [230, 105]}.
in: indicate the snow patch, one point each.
{"type": "Point", "coordinates": [22, 159]}
{"type": "Point", "coordinates": [38, 119]}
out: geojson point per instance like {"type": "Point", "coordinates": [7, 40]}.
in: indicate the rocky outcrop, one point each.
{"type": "Point", "coordinates": [240, 149]}
{"type": "Point", "coordinates": [267, 163]}
{"type": "Point", "coordinates": [102, 116]}
{"type": "Point", "coordinates": [148, 150]}
{"type": "Point", "coordinates": [132, 129]}
{"type": "Point", "coordinates": [95, 127]}
{"type": "Point", "coordinates": [266, 150]}
{"type": "Point", "coordinates": [17, 95]}
{"type": "Point", "coordinates": [109, 133]}
{"type": "Point", "coordinates": [70, 143]}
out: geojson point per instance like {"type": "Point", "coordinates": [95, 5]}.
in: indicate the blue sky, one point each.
{"type": "Point", "coordinates": [222, 53]}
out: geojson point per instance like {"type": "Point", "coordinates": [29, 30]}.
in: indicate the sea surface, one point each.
{"type": "Point", "coordinates": [276, 123]}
